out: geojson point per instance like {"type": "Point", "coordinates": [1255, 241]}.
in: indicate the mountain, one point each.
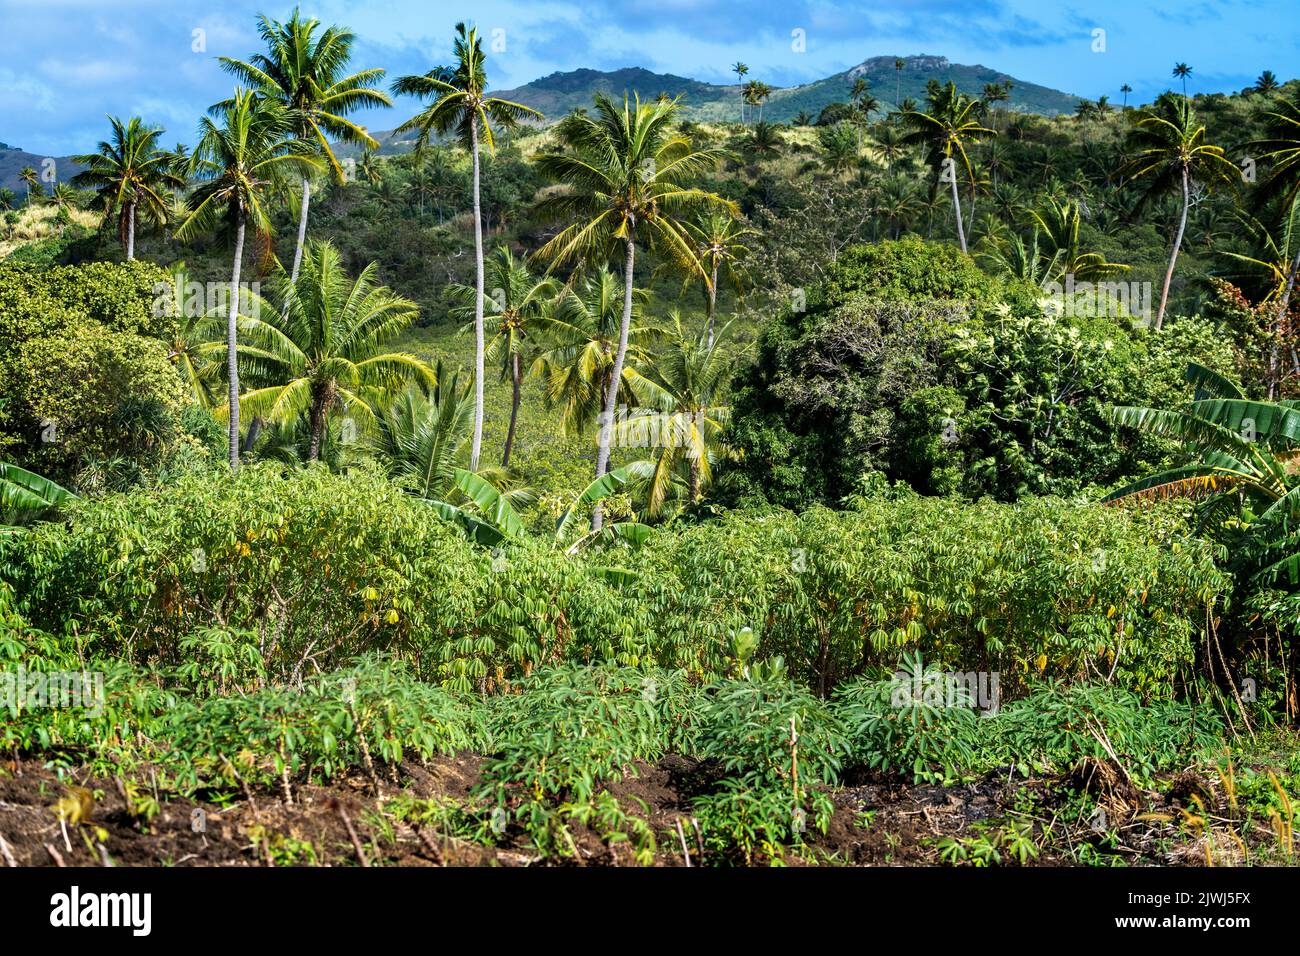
{"type": "Point", "coordinates": [13, 159]}
{"type": "Point", "coordinates": [559, 93]}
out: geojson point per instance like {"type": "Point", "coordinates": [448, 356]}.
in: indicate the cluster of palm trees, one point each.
{"type": "Point", "coordinates": [315, 347]}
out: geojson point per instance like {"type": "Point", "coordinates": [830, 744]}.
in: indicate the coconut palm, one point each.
{"type": "Point", "coordinates": [461, 106]}
{"type": "Point", "coordinates": [626, 174]}
{"type": "Point", "coordinates": [196, 345]}
{"type": "Point", "coordinates": [1126, 90]}
{"type": "Point", "coordinates": [517, 301]}
{"type": "Point", "coordinates": [321, 345]}
{"type": "Point", "coordinates": [1060, 223]}
{"type": "Point", "coordinates": [1266, 84]}
{"type": "Point", "coordinates": [1170, 149]}
{"type": "Point", "coordinates": [897, 203]}
{"type": "Point", "coordinates": [740, 69]}
{"type": "Point", "coordinates": [898, 81]}
{"type": "Point", "coordinates": [1282, 151]}
{"type": "Point", "coordinates": [239, 163]}
{"type": "Point", "coordinates": [423, 437]}
{"type": "Point", "coordinates": [32, 180]}
{"type": "Point", "coordinates": [1182, 71]}
{"type": "Point", "coordinates": [720, 239]}
{"type": "Point", "coordinates": [947, 127]}
{"type": "Point", "coordinates": [582, 333]}
{"type": "Point", "coordinates": [304, 74]}
{"type": "Point", "coordinates": [839, 148]}
{"type": "Point", "coordinates": [680, 415]}
{"type": "Point", "coordinates": [764, 141]}
{"type": "Point", "coordinates": [128, 174]}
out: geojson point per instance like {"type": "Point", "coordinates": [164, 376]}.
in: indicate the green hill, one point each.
{"type": "Point", "coordinates": [559, 93]}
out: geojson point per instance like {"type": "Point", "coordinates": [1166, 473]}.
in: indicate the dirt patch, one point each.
{"type": "Point", "coordinates": [83, 821]}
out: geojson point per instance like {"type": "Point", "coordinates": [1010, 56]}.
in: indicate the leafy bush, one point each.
{"type": "Point", "coordinates": [322, 567]}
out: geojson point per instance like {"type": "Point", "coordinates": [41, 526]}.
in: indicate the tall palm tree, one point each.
{"type": "Point", "coordinates": [680, 413]}
{"type": "Point", "coordinates": [1170, 149]}
{"type": "Point", "coordinates": [720, 240]}
{"type": "Point", "coordinates": [239, 164]}
{"type": "Point", "coordinates": [899, 63]}
{"type": "Point", "coordinates": [128, 174]}
{"type": "Point", "coordinates": [461, 106]}
{"type": "Point", "coordinates": [947, 127]}
{"type": "Point", "coordinates": [518, 301]}
{"type": "Point", "coordinates": [304, 74]}
{"type": "Point", "coordinates": [1182, 71]}
{"type": "Point", "coordinates": [321, 347]}
{"type": "Point", "coordinates": [1126, 90]}
{"type": "Point", "coordinates": [582, 333]}
{"type": "Point", "coordinates": [1282, 150]}
{"type": "Point", "coordinates": [626, 174]}
{"type": "Point", "coordinates": [32, 180]}
{"type": "Point", "coordinates": [740, 69]}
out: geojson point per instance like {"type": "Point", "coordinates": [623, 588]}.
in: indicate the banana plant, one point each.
{"type": "Point", "coordinates": [496, 519]}
{"type": "Point", "coordinates": [26, 497]}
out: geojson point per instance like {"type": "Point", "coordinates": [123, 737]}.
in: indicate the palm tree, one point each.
{"type": "Point", "coordinates": [127, 174]}
{"type": "Point", "coordinates": [839, 148]}
{"type": "Point", "coordinates": [1170, 149]}
{"type": "Point", "coordinates": [1266, 84]}
{"type": "Point", "coordinates": [719, 238]}
{"type": "Point", "coordinates": [518, 301]}
{"type": "Point", "coordinates": [239, 164]}
{"type": "Point", "coordinates": [763, 141]}
{"type": "Point", "coordinates": [680, 414]}
{"type": "Point", "coordinates": [423, 438]}
{"type": "Point", "coordinates": [1060, 223]}
{"type": "Point", "coordinates": [583, 331]}
{"type": "Point", "coordinates": [740, 69]}
{"type": "Point", "coordinates": [32, 180]}
{"type": "Point", "coordinates": [897, 203]}
{"type": "Point", "coordinates": [321, 347]}
{"type": "Point", "coordinates": [1182, 71]}
{"type": "Point", "coordinates": [946, 128]}
{"type": "Point", "coordinates": [1282, 150]}
{"type": "Point", "coordinates": [1126, 90]}
{"type": "Point", "coordinates": [888, 142]}
{"type": "Point", "coordinates": [303, 74]}
{"type": "Point", "coordinates": [899, 63]}
{"type": "Point", "coordinates": [461, 106]}
{"type": "Point", "coordinates": [196, 344]}
{"type": "Point", "coordinates": [626, 173]}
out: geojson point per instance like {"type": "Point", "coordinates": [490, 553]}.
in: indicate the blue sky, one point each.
{"type": "Point", "coordinates": [65, 63]}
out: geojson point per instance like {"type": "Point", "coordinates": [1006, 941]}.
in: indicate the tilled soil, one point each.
{"type": "Point", "coordinates": [82, 821]}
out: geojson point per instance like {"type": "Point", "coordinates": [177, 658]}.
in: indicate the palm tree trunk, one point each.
{"type": "Point", "coordinates": [616, 377]}
{"type": "Point", "coordinates": [713, 300]}
{"type": "Point", "coordinates": [1280, 325]}
{"type": "Point", "coordinates": [477, 446]}
{"type": "Point", "coordinates": [693, 480]}
{"type": "Point", "coordinates": [302, 228]}
{"type": "Point", "coordinates": [130, 231]}
{"type": "Point", "coordinates": [956, 206]}
{"type": "Point", "coordinates": [515, 377]}
{"type": "Point", "coordinates": [232, 362]}
{"type": "Point", "coordinates": [1173, 255]}
{"type": "Point", "coordinates": [320, 407]}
